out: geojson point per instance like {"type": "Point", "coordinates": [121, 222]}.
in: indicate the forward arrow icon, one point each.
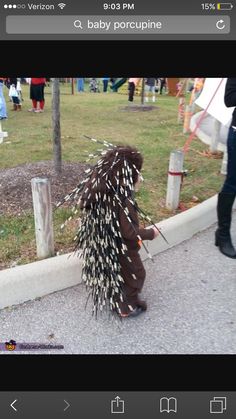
{"type": "Point", "coordinates": [67, 405]}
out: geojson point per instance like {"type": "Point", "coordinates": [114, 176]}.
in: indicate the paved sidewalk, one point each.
{"type": "Point", "coordinates": [191, 294]}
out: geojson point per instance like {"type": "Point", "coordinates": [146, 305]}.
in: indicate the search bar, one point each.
{"type": "Point", "coordinates": [112, 25]}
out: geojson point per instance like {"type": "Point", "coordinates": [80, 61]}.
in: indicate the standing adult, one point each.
{"type": "Point", "coordinates": [150, 85]}
{"type": "Point", "coordinates": [3, 108]}
{"type": "Point", "coordinates": [228, 192]}
{"type": "Point", "coordinates": [37, 94]}
{"type": "Point", "coordinates": [132, 84]}
{"type": "Point", "coordinates": [162, 84]}
{"type": "Point", "coordinates": [80, 84]}
{"type": "Point", "coordinates": [105, 81]}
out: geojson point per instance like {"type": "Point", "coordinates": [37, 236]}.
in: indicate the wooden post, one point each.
{"type": "Point", "coordinates": [224, 162]}
{"type": "Point", "coordinates": [56, 126]}
{"type": "Point", "coordinates": [174, 179]}
{"type": "Point", "coordinates": [72, 86]}
{"type": "Point", "coordinates": [215, 136]}
{"type": "Point", "coordinates": [41, 192]}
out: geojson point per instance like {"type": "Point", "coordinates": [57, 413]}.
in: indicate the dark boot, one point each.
{"type": "Point", "coordinates": [142, 304]}
{"type": "Point", "coordinates": [224, 214]}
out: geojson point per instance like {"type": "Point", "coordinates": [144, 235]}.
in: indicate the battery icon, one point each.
{"type": "Point", "coordinates": [225, 6]}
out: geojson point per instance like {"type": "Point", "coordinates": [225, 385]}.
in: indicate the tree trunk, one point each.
{"type": "Point", "coordinates": [56, 125]}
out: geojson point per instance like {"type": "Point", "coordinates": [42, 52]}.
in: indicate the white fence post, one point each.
{"type": "Point", "coordinates": [224, 162]}
{"type": "Point", "coordinates": [3, 134]}
{"type": "Point", "coordinates": [174, 179]}
{"type": "Point", "coordinates": [41, 192]}
{"type": "Point", "coordinates": [215, 136]}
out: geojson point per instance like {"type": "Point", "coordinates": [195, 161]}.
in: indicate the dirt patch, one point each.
{"type": "Point", "coordinates": [138, 108]}
{"type": "Point", "coordinates": [15, 185]}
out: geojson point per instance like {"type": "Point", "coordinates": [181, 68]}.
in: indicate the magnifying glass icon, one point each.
{"type": "Point", "coordinates": [78, 24]}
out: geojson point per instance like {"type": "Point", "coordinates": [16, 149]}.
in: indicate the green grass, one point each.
{"type": "Point", "coordinates": [100, 115]}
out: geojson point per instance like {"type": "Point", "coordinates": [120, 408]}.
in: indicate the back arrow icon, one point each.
{"type": "Point", "coordinates": [12, 405]}
{"type": "Point", "coordinates": [68, 405]}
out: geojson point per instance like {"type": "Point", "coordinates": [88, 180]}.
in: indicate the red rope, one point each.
{"type": "Point", "coordinates": [189, 140]}
{"type": "Point", "coordinates": [177, 174]}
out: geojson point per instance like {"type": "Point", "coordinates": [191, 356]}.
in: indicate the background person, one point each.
{"type": "Point", "coordinates": [13, 94]}
{"type": "Point", "coordinates": [105, 81]}
{"type": "Point", "coordinates": [132, 84]}
{"type": "Point", "coordinates": [228, 192]}
{"type": "Point", "coordinates": [3, 108]}
{"type": "Point", "coordinates": [37, 86]}
{"type": "Point", "coordinates": [163, 84]}
{"type": "Point", "coordinates": [150, 87]}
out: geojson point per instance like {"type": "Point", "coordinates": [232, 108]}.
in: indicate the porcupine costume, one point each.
{"type": "Point", "coordinates": [109, 236]}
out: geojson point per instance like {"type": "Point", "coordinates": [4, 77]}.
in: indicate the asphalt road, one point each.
{"type": "Point", "coordinates": [191, 295]}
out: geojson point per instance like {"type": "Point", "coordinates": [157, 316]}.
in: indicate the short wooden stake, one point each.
{"type": "Point", "coordinates": [41, 192]}
{"type": "Point", "coordinates": [174, 179]}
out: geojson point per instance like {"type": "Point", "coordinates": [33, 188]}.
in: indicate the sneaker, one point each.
{"type": "Point", "coordinates": [37, 110]}
{"type": "Point", "coordinates": [32, 110]}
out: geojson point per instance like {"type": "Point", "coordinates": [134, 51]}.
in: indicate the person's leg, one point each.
{"type": "Point", "coordinates": [82, 85]}
{"type": "Point", "coordinates": [146, 91]}
{"type": "Point", "coordinates": [161, 87]}
{"type": "Point", "coordinates": [105, 84]}
{"type": "Point", "coordinates": [226, 200]}
{"type": "Point", "coordinates": [131, 91]}
{"type": "Point", "coordinates": [14, 100]}
{"type": "Point", "coordinates": [41, 104]}
{"type": "Point", "coordinates": [33, 98]}
{"type": "Point", "coordinates": [134, 274]}
{"type": "Point", "coordinates": [18, 104]}
{"type": "Point", "coordinates": [153, 94]}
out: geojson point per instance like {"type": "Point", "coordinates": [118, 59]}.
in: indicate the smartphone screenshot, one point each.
{"type": "Point", "coordinates": [117, 209]}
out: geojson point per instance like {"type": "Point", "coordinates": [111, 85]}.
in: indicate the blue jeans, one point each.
{"type": "Point", "coordinates": [230, 181]}
{"type": "Point", "coordinates": [3, 109]}
{"type": "Point", "coordinates": [80, 85]}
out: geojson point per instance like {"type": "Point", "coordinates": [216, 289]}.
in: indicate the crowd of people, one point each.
{"type": "Point", "coordinates": [152, 86]}
{"type": "Point", "coordinates": [37, 86]}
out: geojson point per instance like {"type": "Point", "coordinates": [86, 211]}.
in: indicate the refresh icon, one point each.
{"type": "Point", "coordinates": [220, 24]}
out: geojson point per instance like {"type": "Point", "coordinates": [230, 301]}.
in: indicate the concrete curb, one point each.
{"type": "Point", "coordinates": [27, 282]}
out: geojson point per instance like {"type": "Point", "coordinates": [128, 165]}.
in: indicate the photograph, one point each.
{"type": "Point", "coordinates": [117, 221]}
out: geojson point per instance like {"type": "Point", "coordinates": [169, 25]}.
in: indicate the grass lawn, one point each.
{"type": "Point", "coordinates": [100, 115]}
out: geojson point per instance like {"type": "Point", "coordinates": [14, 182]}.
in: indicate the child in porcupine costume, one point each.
{"type": "Point", "coordinates": [109, 235]}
